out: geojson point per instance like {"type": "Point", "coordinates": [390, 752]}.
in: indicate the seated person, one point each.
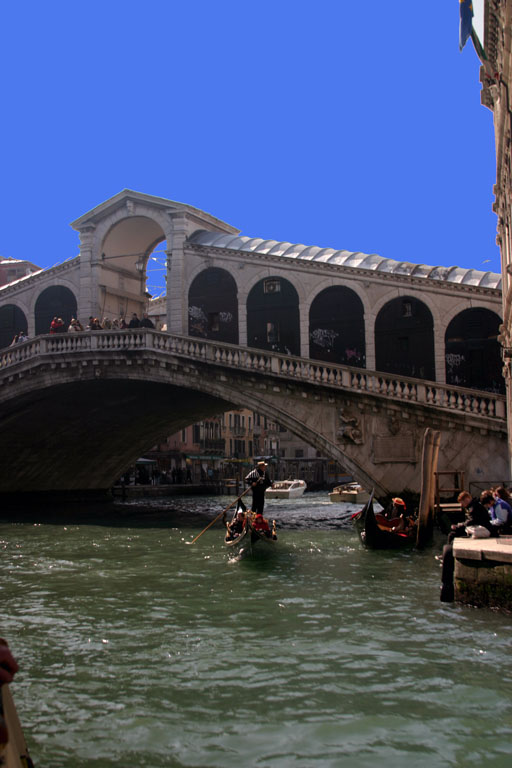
{"type": "Point", "coordinates": [501, 512]}
{"type": "Point", "coordinates": [236, 527]}
{"type": "Point", "coordinates": [475, 514]}
{"type": "Point", "coordinates": [260, 524]}
{"type": "Point", "coordinates": [406, 521]}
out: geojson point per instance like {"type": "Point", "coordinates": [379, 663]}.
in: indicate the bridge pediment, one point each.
{"type": "Point", "coordinates": [130, 203]}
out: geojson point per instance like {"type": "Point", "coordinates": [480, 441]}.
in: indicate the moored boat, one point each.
{"type": "Point", "coordinates": [286, 489]}
{"type": "Point", "coordinates": [379, 532]}
{"type": "Point", "coordinates": [350, 493]}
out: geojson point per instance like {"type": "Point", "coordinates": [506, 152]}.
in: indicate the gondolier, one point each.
{"type": "Point", "coordinates": [259, 481]}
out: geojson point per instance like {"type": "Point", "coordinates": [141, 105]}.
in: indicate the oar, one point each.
{"type": "Point", "coordinates": [219, 515]}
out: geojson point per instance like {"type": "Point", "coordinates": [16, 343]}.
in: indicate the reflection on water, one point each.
{"type": "Point", "coordinates": [138, 650]}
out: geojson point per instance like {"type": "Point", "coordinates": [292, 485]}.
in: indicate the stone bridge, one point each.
{"type": "Point", "coordinates": [77, 409]}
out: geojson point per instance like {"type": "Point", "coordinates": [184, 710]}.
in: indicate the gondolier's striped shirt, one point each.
{"type": "Point", "coordinates": [253, 476]}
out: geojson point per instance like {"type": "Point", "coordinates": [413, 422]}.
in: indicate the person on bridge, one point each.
{"type": "Point", "coordinates": [134, 322]}
{"type": "Point", "coordinates": [57, 325]}
{"type": "Point", "coordinates": [146, 322]}
{"type": "Point", "coordinates": [259, 481]}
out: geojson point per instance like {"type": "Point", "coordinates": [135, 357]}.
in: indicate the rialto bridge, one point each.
{"type": "Point", "coordinates": [375, 319]}
{"type": "Point", "coordinates": [76, 409]}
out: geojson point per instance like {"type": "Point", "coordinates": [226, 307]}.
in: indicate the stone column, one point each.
{"type": "Point", "coordinates": [88, 293]}
{"type": "Point", "coordinates": [439, 354]}
{"type": "Point", "coordinates": [369, 340]}
{"type": "Point", "coordinates": [304, 328]}
{"type": "Point", "coordinates": [177, 289]}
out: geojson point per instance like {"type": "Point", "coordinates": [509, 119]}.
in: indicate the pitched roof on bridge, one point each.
{"type": "Point", "coordinates": [357, 260]}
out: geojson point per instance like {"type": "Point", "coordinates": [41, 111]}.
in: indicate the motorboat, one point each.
{"type": "Point", "coordinates": [351, 493]}
{"type": "Point", "coordinates": [286, 489]}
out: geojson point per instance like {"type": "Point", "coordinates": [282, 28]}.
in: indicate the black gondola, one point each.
{"type": "Point", "coordinates": [375, 531]}
{"type": "Point", "coordinates": [248, 536]}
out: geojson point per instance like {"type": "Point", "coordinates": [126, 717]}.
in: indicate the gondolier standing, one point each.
{"type": "Point", "coordinates": [259, 481]}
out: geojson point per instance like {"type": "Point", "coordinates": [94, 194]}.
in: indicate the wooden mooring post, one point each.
{"type": "Point", "coordinates": [429, 458]}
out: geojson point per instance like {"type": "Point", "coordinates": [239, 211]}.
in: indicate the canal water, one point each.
{"type": "Point", "coordinates": [138, 649]}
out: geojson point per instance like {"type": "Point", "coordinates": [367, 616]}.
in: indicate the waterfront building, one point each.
{"type": "Point", "coordinates": [495, 52]}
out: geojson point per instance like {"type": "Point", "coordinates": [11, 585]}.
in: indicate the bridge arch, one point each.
{"type": "Point", "coordinates": [404, 338]}
{"type": "Point", "coordinates": [472, 350]}
{"type": "Point", "coordinates": [151, 218]}
{"type": "Point", "coordinates": [213, 306]}
{"type": "Point", "coordinates": [12, 321]}
{"type": "Point", "coordinates": [55, 300]}
{"type": "Point", "coordinates": [273, 317]}
{"type": "Point", "coordinates": [336, 327]}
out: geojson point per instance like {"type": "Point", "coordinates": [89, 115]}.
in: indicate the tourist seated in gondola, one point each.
{"type": "Point", "coordinates": [406, 520]}
{"type": "Point", "coordinates": [236, 526]}
{"type": "Point", "coordinates": [260, 524]}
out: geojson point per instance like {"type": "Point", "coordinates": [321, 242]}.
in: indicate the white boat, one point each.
{"type": "Point", "coordinates": [352, 493]}
{"type": "Point", "coordinates": [286, 489]}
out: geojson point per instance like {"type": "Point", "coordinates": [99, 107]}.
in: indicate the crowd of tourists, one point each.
{"type": "Point", "coordinates": [488, 515]}
{"type": "Point", "coordinates": [58, 325]}
{"type": "Point", "coordinates": [107, 324]}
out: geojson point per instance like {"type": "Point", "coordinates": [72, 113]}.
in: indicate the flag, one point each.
{"type": "Point", "coordinates": [466, 21]}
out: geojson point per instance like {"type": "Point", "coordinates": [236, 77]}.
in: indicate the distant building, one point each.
{"type": "Point", "coordinates": [14, 269]}
{"type": "Point", "coordinates": [226, 447]}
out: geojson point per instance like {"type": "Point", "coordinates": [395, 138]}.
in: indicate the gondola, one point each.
{"type": "Point", "coordinates": [249, 536]}
{"type": "Point", "coordinates": [375, 531]}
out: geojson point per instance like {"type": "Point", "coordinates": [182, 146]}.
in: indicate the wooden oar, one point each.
{"type": "Point", "coordinates": [219, 515]}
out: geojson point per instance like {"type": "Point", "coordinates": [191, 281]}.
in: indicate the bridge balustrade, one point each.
{"type": "Point", "coordinates": [441, 396]}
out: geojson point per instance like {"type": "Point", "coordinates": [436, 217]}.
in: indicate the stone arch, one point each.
{"type": "Point", "coordinates": [123, 246]}
{"type": "Point", "coordinates": [336, 327]}
{"type": "Point", "coordinates": [273, 320]}
{"type": "Point", "coordinates": [54, 300]}
{"type": "Point", "coordinates": [472, 350]}
{"type": "Point", "coordinates": [404, 338]}
{"type": "Point", "coordinates": [213, 306]}
{"type": "Point", "coordinates": [12, 321]}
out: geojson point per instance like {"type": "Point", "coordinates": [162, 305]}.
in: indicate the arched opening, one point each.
{"type": "Point", "coordinates": [55, 301]}
{"type": "Point", "coordinates": [404, 339]}
{"type": "Point", "coordinates": [12, 321]}
{"type": "Point", "coordinates": [156, 271]}
{"type": "Point", "coordinates": [273, 316]}
{"type": "Point", "coordinates": [472, 351]}
{"type": "Point", "coordinates": [132, 266]}
{"type": "Point", "coordinates": [213, 306]}
{"type": "Point", "coordinates": [336, 327]}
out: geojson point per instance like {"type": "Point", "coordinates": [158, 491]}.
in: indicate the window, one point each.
{"type": "Point", "coordinates": [406, 309]}
{"type": "Point", "coordinates": [299, 453]}
{"type": "Point", "coordinates": [273, 285]}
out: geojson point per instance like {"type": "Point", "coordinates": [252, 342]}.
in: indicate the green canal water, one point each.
{"type": "Point", "coordinates": [136, 649]}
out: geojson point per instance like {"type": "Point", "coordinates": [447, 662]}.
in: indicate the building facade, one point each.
{"type": "Point", "coordinates": [496, 79]}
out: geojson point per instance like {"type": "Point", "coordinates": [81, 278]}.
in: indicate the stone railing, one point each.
{"type": "Point", "coordinates": [384, 385]}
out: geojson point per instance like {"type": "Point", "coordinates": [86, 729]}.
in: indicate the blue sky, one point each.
{"type": "Point", "coordinates": [334, 123]}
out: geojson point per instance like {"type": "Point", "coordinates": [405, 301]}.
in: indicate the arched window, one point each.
{"type": "Point", "coordinates": [472, 351]}
{"type": "Point", "coordinates": [12, 321]}
{"type": "Point", "coordinates": [213, 306]}
{"type": "Point", "coordinates": [273, 316]}
{"type": "Point", "coordinates": [336, 327]}
{"type": "Point", "coordinates": [55, 301]}
{"type": "Point", "coordinates": [404, 339]}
